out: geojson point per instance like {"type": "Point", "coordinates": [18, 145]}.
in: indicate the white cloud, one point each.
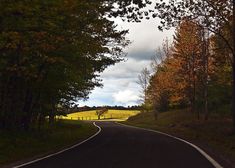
{"type": "Point", "coordinates": [126, 97]}
{"type": "Point", "coordinates": [145, 35]}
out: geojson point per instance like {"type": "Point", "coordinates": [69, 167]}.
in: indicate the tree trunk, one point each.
{"type": "Point", "coordinates": [52, 112]}
{"type": "Point", "coordinates": [194, 99]}
{"type": "Point", "coordinates": [205, 53]}
{"type": "Point", "coordinates": [155, 115]}
{"type": "Point", "coordinates": [40, 117]}
{"type": "Point", "coordinates": [155, 110]}
{"type": "Point", "coordinates": [194, 87]}
{"type": "Point", "coordinates": [26, 119]}
{"type": "Point", "coordinates": [233, 69]}
{"type": "Point", "coordinates": [233, 93]}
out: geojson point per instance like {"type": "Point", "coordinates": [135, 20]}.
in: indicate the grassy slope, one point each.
{"type": "Point", "coordinates": [114, 114]}
{"type": "Point", "coordinates": [213, 135]}
{"type": "Point", "coordinates": [21, 145]}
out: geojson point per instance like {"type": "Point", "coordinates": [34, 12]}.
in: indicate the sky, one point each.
{"type": "Point", "coordinates": [120, 81]}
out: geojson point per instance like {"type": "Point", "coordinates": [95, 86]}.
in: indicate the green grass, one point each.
{"type": "Point", "coordinates": [118, 115]}
{"type": "Point", "coordinates": [16, 146]}
{"type": "Point", "coordinates": [213, 135]}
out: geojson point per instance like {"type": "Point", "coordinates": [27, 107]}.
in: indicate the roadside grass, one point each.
{"type": "Point", "coordinates": [117, 115]}
{"type": "Point", "coordinates": [213, 135]}
{"type": "Point", "coordinates": [16, 146]}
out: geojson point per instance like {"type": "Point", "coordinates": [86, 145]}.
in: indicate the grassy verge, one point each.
{"type": "Point", "coordinates": [110, 115]}
{"type": "Point", "coordinates": [213, 135]}
{"type": "Point", "coordinates": [17, 146]}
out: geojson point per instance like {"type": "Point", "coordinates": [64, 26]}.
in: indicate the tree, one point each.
{"type": "Point", "coordinates": [101, 112]}
{"type": "Point", "coordinates": [187, 50]}
{"type": "Point", "coordinates": [160, 88]}
{"type": "Point", "coordinates": [179, 70]}
{"type": "Point", "coordinates": [220, 83]}
{"type": "Point", "coordinates": [143, 81]}
{"type": "Point", "coordinates": [51, 53]}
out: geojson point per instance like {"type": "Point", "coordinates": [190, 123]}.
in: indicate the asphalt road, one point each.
{"type": "Point", "coordinates": [117, 146]}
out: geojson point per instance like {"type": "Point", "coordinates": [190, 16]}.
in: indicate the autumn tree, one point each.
{"type": "Point", "coordinates": [187, 50]}
{"type": "Point", "coordinates": [210, 14]}
{"type": "Point", "coordinates": [178, 80]}
{"type": "Point", "coordinates": [161, 82]}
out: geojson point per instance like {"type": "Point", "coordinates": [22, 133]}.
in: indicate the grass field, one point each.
{"type": "Point", "coordinates": [213, 135]}
{"type": "Point", "coordinates": [15, 146]}
{"type": "Point", "coordinates": [118, 115]}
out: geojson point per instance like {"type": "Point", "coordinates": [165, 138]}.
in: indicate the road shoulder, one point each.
{"type": "Point", "coordinates": [53, 152]}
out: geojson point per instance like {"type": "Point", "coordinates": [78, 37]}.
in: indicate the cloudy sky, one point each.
{"type": "Point", "coordinates": [120, 81]}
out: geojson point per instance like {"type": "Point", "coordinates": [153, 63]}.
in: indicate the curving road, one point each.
{"type": "Point", "coordinates": [118, 146]}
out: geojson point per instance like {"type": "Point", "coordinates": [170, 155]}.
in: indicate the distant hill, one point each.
{"type": "Point", "coordinates": [87, 108]}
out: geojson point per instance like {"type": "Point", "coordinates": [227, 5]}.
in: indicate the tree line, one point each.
{"type": "Point", "coordinates": [88, 108]}
{"type": "Point", "coordinates": [196, 70]}
{"type": "Point", "coordinates": [192, 72]}
{"type": "Point", "coordinates": [52, 53]}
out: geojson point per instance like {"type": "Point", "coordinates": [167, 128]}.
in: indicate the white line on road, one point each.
{"type": "Point", "coordinates": [74, 146]}
{"type": "Point", "coordinates": [209, 158]}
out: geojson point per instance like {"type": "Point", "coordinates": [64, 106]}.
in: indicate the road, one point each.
{"type": "Point", "coordinates": [117, 146]}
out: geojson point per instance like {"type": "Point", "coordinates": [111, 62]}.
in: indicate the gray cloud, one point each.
{"type": "Point", "coordinates": [141, 55]}
{"type": "Point", "coordinates": [128, 69]}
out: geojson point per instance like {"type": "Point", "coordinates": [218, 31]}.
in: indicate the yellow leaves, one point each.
{"type": "Point", "coordinates": [21, 71]}
{"type": "Point", "coordinates": [13, 68]}
{"type": "Point", "coordinates": [47, 47]}
{"type": "Point", "coordinates": [20, 41]}
{"type": "Point", "coordinates": [12, 40]}
{"type": "Point", "coordinates": [40, 35]}
{"type": "Point", "coordinates": [53, 60]}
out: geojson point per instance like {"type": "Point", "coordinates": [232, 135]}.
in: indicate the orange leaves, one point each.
{"type": "Point", "coordinates": [178, 74]}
